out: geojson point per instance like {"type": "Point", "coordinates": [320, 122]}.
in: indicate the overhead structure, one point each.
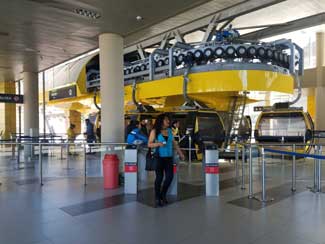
{"type": "Point", "coordinates": [215, 74]}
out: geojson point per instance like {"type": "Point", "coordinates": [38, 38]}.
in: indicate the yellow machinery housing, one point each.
{"type": "Point", "coordinates": [217, 75]}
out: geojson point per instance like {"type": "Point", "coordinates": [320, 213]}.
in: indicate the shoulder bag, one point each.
{"type": "Point", "coordinates": [151, 160]}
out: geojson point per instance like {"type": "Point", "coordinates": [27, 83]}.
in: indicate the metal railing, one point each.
{"type": "Point", "coordinates": [269, 147]}
{"type": "Point", "coordinates": [109, 146]}
{"type": "Point", "coordinates": [246, 147]}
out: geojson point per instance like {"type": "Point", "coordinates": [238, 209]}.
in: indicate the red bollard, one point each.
{"type": "Point", "coordinates": [111, 171]}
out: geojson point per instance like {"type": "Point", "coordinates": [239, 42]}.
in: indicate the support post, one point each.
{"type": "Point", "coordinates": [171, 64]}
{"type": "Point", "coordinates": [282, 142]}
{"type": "Point", "coordinates": [19, 111]}
{"type": "Point", "coordinates": [85, 165]}
{"type": "Point", "coordinates": [315, 169]}
{"type": "Point", "coordinates": [263, 176]}
{"type": "Point", "coordinates": [68, 159]}
{"type": "Point", "coordinates": [189, 149]}
{"type": "Point", "coordinates": [61, 151]}
{"type": "Point", "coordinates": [13, 149]}
{"type": "Point", "coordinates": [40, 159]}
{"type": "Point", "coordinates": [314, 188]}
{"type": "Point", "coordinates": [211, 170]}
{"type": "Point", "coordinates": [263, 197]}
{"type": "Point", "coordinates": [250, 175]}
{"type": "Point", "coordinates": [151, 67]}
{"type": "Point", "coordinates": [18, 155]}
{"type": "Point", "coordinates": [44, 114]}
{"type": "Point", "coordinates": [293, 188]}
{"type": "Point", "coordinates": [319, 169]}
{"type": "Point", "coordinates": [31, 112]}
{"type": "Point", "coordinates": [243, 168]}
{"type": "Point", "coordinates": [130, 170]}
{"type": "Point", "coordinates": [236, 160]}
{"type": "Point", "coordinates": [111, 88]}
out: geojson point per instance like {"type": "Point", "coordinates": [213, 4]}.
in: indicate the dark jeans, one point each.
{"type": "Point", "coordinates": [91, 139]}
{"type": "Point", "coordinates": [164, 165]}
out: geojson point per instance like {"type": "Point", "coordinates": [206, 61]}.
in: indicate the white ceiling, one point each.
{"type": "Point", "coordinates": [282, 12]}
{"type": "Point", "coordinates": [36, 34]}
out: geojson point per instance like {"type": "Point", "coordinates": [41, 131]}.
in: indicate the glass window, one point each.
{"type": "Point", "coordinates": [282, 126]}
{"type": "Point", "coordinates": [306, 39]}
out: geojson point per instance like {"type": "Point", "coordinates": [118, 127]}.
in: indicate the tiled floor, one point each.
{"type": "Point", "coordinates": [31, 214]}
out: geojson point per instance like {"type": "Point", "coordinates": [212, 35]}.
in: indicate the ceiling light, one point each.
{"type": "Point", "coordinates": [139, 18]}
{"type": "Point", "coordinates": [87, 13]}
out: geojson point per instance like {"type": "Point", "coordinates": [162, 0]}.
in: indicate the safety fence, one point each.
{"type": "Point", "coordinates": [274, 149]}
{"type": "Point", "coordinates": [23, 153]}
{"type": "Point", "coordinates": [40, 149]}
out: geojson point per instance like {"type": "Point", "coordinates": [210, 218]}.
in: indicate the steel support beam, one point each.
{"type": "Point", "coordinates": [178, 36]}
{"type": "Point", "coordinates": [141, 51]}
{"type": "Point", "coordinates": [294, 25]}
{"type": "Point", "coordinates": [225, 14]}
{"type": "Point", "coordinates": [211, 29]}
{"type": "Point", "coordinates": [164, 42]}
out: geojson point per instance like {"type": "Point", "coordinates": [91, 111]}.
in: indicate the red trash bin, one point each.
{"type": "Point", "coordinates": [111, 171]}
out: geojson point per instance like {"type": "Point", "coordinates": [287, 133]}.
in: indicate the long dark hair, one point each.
{"type": "Point", "coordinates": [159, 123]}
{"type": "Point", "coordinates": [174, 123]}
{"type": "Point", "coordinates": [132, 125]}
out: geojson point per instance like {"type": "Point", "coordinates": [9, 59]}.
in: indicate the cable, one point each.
{"type": "Point", "coordinates": [297, 79]}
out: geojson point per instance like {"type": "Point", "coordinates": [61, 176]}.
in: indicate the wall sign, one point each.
{"type": "Point", "coordinates": [64, 92]}
{"type": "Point", "coordinates": [11, 98]}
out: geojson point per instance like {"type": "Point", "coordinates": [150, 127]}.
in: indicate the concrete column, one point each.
{"type": "Point", "coordinates": [8, 111]}
{"type": "Point", "coordinates": [320, 89]}
{"type": "Point", "coordinates": [111, 87]}
{"type": "Point", "coordinates": [31, 113]}
{"type": "Point", "coordinates": [311, 102]}
{"type": "Point", "coordinates": [268, 99]}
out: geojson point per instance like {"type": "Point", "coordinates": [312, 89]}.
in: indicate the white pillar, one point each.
{"type": "Point", "coordinates": [320, 89]}
{"type": "Point", "coordinates": [31, 113]}
{"type": "Point", "coordinates": [111, 87]}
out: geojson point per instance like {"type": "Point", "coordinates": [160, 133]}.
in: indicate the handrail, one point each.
{"type": "Point", "coordinates": [315, 156]}
{"type": "Point", "coordinates": [280, 144]}
{"type": "Point", "coordinates": [63, 143]}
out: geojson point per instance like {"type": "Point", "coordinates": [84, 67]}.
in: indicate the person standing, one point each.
{"type": "Point", "coordinates": [175, 130]}
{"type": "Point", "coordinates": [71, 137]}
{"type": "Point", "coordinates": [143, 127]}
{"type": "Point", "coordinates": [90, 134]}
{"type": "Point", "coordinates": [135, 135]}
{"type": "Point", "coordinates": [149, 126]}
{"type": "Point", "coordinates": [161, 138]}
{"type": "Point", "coordinates": [71, 133]}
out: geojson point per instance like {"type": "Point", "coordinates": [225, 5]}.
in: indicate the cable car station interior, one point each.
{"type": "Point", "coordinates": [162, 122]}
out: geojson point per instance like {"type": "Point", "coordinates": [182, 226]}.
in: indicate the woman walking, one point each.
{"type": "Point", "coordinates": [161, 138]}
